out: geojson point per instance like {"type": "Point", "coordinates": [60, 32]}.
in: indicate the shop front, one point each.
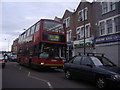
{"type": "Point", "coordinates": [110, 46]}
{"type": "Point", "coordinates": [78, 46]}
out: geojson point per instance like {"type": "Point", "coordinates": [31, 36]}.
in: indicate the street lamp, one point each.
{"type": "Point", "coordinates": [84, 28]}
{"type": "Point", "coordinates": [7, 43]}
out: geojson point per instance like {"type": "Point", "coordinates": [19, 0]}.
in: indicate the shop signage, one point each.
{"type": "Point", "coordinates": [105, 39]}
{"type": "Point", "coordinates": [80, 43]}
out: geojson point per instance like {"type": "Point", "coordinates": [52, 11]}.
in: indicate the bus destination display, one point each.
{"type": "Point", "coordinates": [53, 37]}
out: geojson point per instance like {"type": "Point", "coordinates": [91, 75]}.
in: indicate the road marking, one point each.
{"type": "Point", "coordinates": [15, 66]}
{"type": "Point", "coordinates": [31, 76]}
{"type": "Point", "coordinates": [48, 83]}
{"type": "Point", "coordinates": [20, 68]}
{"type": "Point", "coordinates": [28, 74]}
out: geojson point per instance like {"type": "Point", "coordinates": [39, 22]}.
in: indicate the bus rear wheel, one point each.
{"type": "Point", "coordinates": [29, 63]}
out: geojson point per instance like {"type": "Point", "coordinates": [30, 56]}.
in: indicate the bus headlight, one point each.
{"type": "Point", "coordinates": [42, 63]}
{"type": "Point", "coordinates": [64, 60]}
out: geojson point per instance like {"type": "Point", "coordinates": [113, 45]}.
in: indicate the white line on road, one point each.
{"type": "Point", "coordinates": [28, 74]}
{"type": "Point", "coordinates": [15, 66]}
{"type": "Point", "coordinates": [48, 83]}
{"type": "Point", "coordinates": [20, 68]}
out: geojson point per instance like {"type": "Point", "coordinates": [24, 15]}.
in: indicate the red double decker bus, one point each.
{"type": "Point", "coordinates": [43, 44]}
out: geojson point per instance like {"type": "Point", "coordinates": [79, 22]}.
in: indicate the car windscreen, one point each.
{"type": "Point", "coordinates": [102, 61]}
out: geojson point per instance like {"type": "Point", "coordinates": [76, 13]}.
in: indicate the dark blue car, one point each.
{"type": "Point", "coordinates": [95, 68]}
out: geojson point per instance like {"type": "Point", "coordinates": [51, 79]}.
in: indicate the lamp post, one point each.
{"type": "Point", "coordinates": [7, 43]}
{"type": "Point", "coordinates": [84, 28]}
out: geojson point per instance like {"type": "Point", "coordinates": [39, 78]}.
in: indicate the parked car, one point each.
{"type": "Point", "coordinates": [93, 67]}
{"type": "Point", "coordinates": [2, 61]}
{"type": "Point", "coordinates": [13, 58]}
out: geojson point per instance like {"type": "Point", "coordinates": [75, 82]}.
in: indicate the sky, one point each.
{"type": "Point", "coordinates": [18, 15]}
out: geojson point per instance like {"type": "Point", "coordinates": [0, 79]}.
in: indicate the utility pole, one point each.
{"type": "Point", "coordinates": [7, 43]}
{"type": "Point", "coordinates": [84, 29]}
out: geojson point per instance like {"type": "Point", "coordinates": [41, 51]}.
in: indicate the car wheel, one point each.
{"type": "Point", "coordinates": [101, 83]}
{"type": "Point", "coordinates": [67, 74]}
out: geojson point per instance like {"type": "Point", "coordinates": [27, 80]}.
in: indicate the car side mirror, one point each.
{"type": "Point", "coordinates": [89, 65]}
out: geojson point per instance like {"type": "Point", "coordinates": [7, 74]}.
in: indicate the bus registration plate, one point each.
{"type": "Point", "coordinates": [53, 67]}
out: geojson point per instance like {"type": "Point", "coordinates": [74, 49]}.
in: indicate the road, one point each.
{"type": "Point", "coordinates": [16, 76]}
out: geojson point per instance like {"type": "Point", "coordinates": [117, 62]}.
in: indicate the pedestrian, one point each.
{"type": "Point", "coordinates": [6, 57]}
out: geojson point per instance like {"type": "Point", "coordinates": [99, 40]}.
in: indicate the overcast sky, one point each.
{"type": "Point", "coordinates": [17, 16]}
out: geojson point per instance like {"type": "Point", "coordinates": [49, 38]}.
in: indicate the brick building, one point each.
{"type": "Point", "coordinates": [15, 46]}
{"type": "Point", "coordinates": [102, 29]}
{"type": "Point", "coordinates": [83, 19]}
{"type": "Point", "coordinates": [68, 19]}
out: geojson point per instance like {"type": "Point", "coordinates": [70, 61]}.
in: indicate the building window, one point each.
{"type": "Point", "coordinates": [112, 6]}
{"type": "Point", "coordinates": [108, 6]}
{"type": "Point", "coordinates": [87, 31]}
{"type": "Point", "coordinates": [69, 34]}
{"type": "Point", "coordinates": [86, 12]}
{"type": "Point", "coordinates": [117, 24]}
{"type": "Point", "coordinates": [78, 33]}
{"type": "Point", "coordinates": [104, 7]}
{"type": "Point", "coordinates": [67, 22]}
{"type": "Point", "coordinates": [109, 26]}
{"type": "Point", "coordinates": [80, 16]}
{"type": "Point", "coordinates": [82, 32]}
{"type": "Point", "coordinates": [102, 28]}
{"type": "Point", "coordinates": [82, 13]}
